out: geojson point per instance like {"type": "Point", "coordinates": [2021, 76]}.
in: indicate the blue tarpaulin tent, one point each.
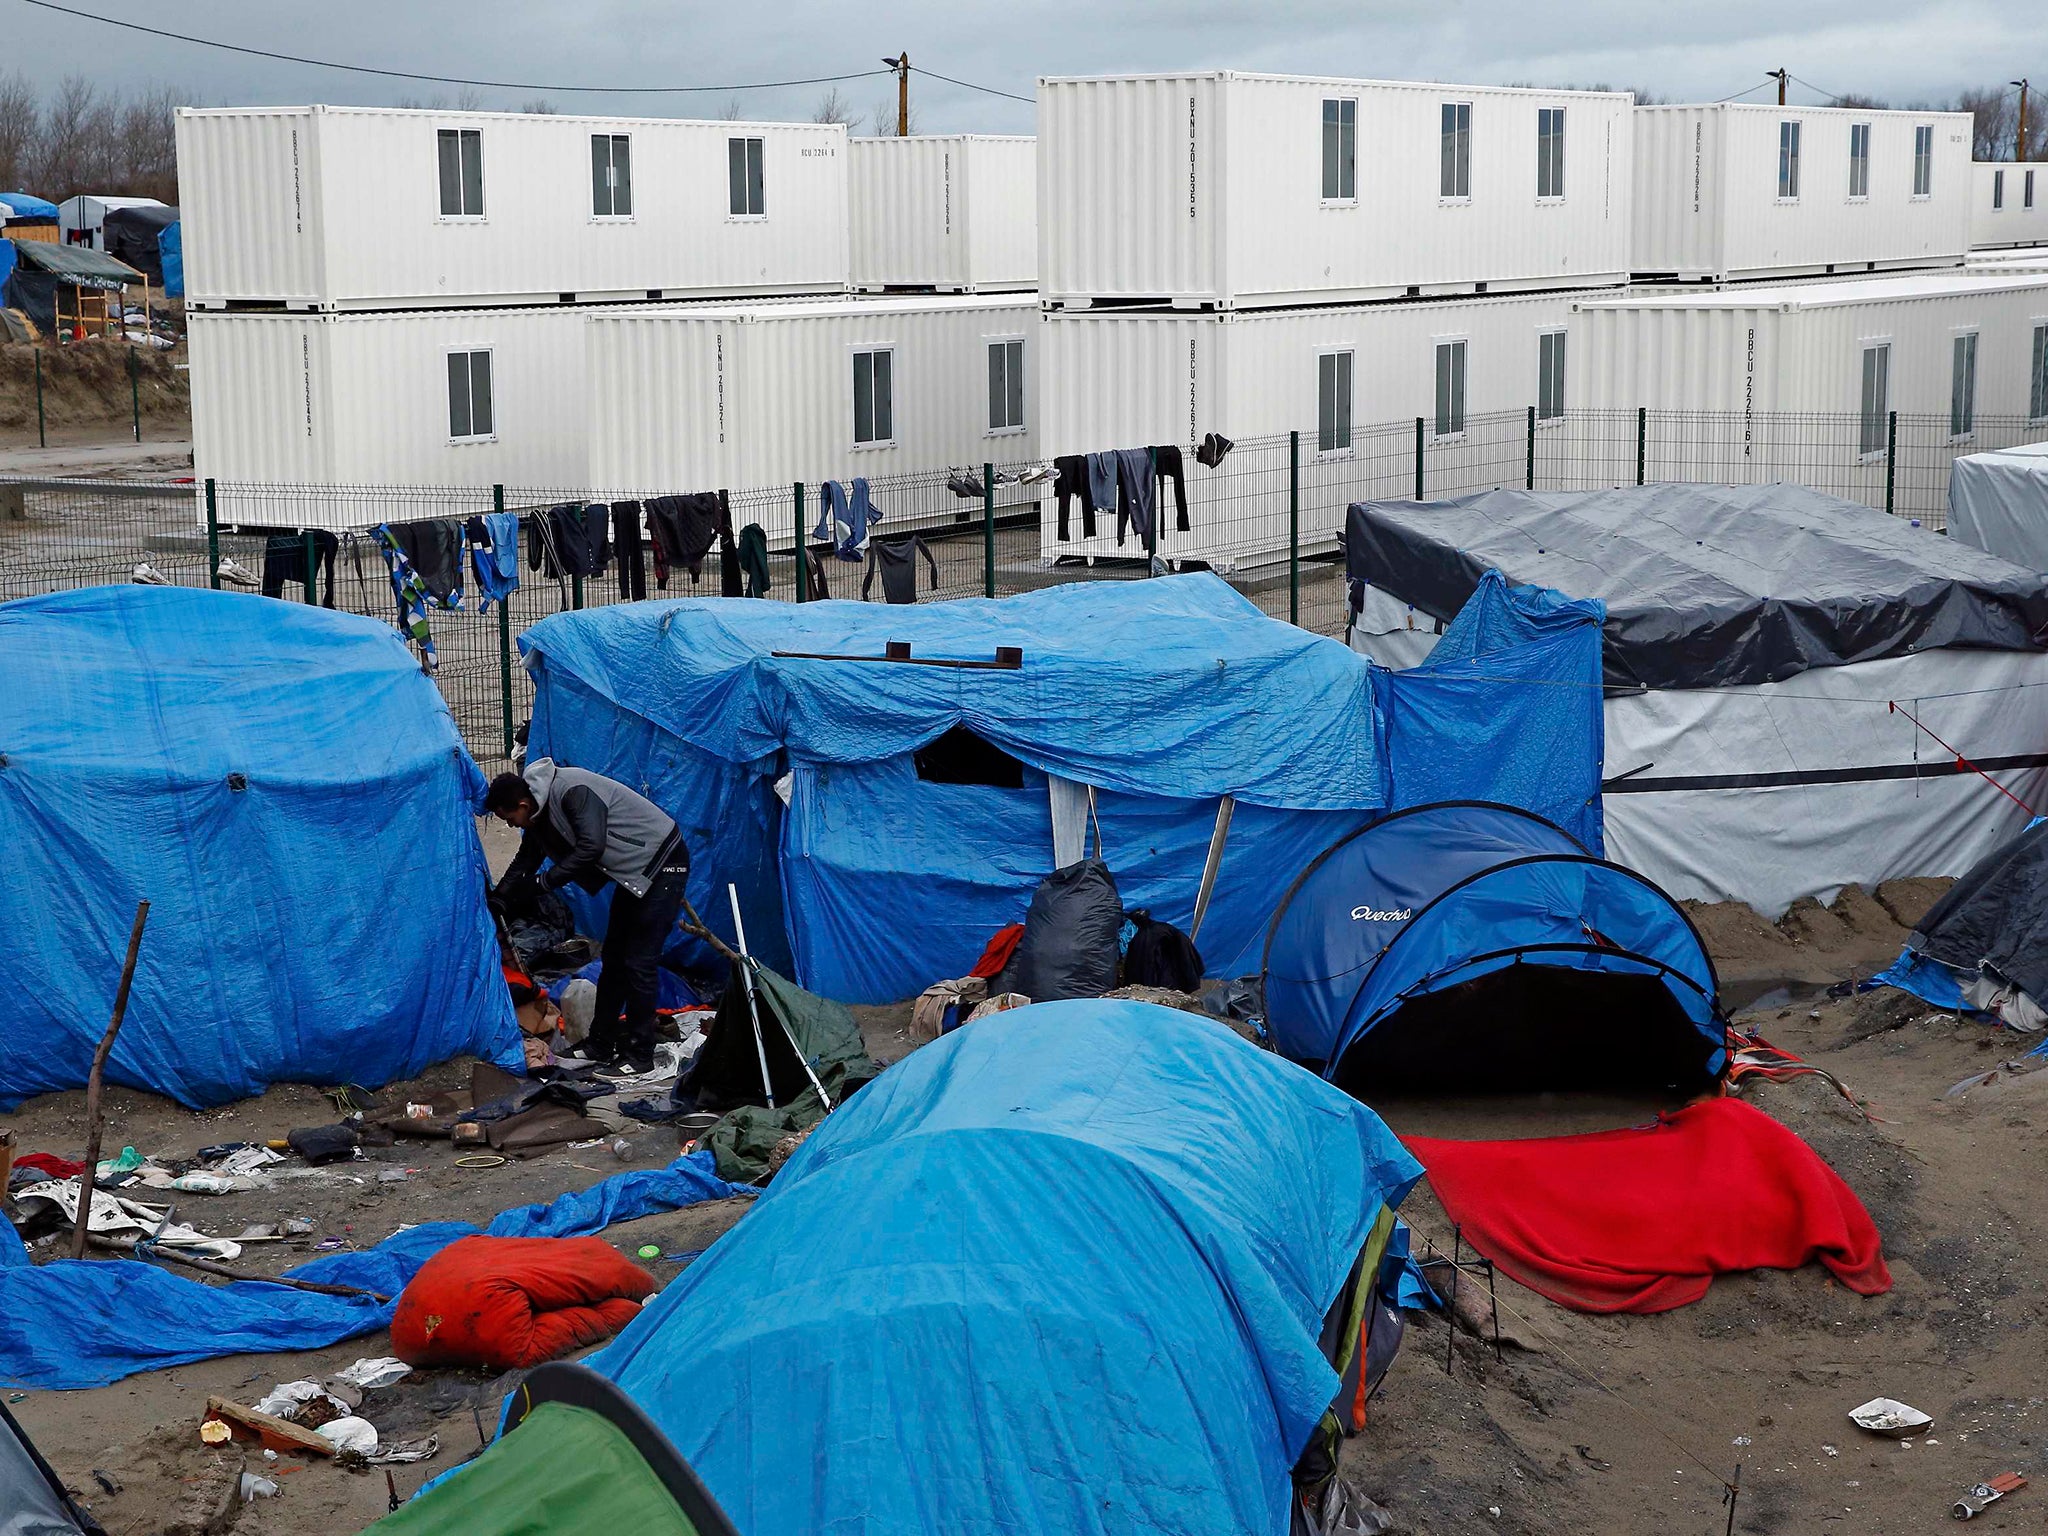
{"type": "Point", "coordinates": [886, 874]}
{"type": "Point", "coordinates": [26, 205]}
{"type": "Point", "coordinates": [293, 799]}
{"type": "Point", "coordinates": [1473, 944]}
{"type": "Point", "coordinates": [1064, 1270]}
{"type": "Point", "coordinates": [170, 247]}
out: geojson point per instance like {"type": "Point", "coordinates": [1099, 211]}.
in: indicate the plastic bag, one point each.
{"type": "Point", "coordinates": [1069, 948]}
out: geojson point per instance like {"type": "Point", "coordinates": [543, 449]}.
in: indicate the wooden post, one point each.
{"type": "Point", "coordinates": [93, 1124]}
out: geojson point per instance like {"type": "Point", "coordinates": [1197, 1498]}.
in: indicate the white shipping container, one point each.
{"type": "Point", "coordinates": [86, 215]}
{"type": "Point", "coordinates": [1230, 190]}
{"type": "Point", "coordinates": [764, 396]}
{"type": "Point", "coordinates": [1741, 190]}
{"type": "Point", "coordinates": [1353, 381]}
{"type": "Point", "coordinates": [951, 213]}
{"type": "Point", "coordinates": [2008, 204]}
{"type": "Point", "coordinates": [334, 208]}
{"type": "Point", "coordinates": [345, 404]}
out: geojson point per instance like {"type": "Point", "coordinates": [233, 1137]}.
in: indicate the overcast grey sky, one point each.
{"type": "Point", "coordinates": [1903, 52]}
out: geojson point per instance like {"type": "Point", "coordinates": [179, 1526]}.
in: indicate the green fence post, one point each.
{"type": "Point", "coordinates": [1532, 448]}
{"type": "Point", "coordinates": [1642, 444]}
{"type": "Point", "coordinates": [803, 585]}
{"type": "Point", "coordinates": [134, 393]}
{"type": "Point", "coordinates": [1294, 527]}
{"type": "Point", "coordinates": [42, 437]}
{"type": "Point", "coordinates": [212, 528]}
{"type": "Point", "coordinates": [1891, 462]}
{"type": "Point", "coordinates": [1418, 457]}
{"type": "Point", "coordinates": [312, 567]}
{"type": "Point", "coordinates": [988, 529]}
{"type": "Point", "coordinates": [504, 641]}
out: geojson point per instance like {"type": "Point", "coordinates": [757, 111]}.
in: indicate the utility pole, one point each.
{"type": "Point", "coordinates": [2019, 141]}
{"type": "Point", "coordinates": [901, 65]}
{"type": "Point", "coordinates": [1781, 76]}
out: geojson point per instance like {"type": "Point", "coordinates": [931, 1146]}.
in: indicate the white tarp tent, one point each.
{"type": "Point", "coordinates": [1998, 502]}
{"type": "Point", "coordinates": [1767, 653]}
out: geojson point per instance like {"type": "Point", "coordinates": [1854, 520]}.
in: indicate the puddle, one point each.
{"type": "Point", "coordinates": [1766, 993]}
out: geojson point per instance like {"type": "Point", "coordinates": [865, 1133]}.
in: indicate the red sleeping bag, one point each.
{"type": "Point", "coordinates": [502, 1302]}
{"type": "Point", "coordinates": [1641, 1220]}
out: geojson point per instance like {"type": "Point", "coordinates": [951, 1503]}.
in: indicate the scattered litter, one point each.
{"type": "Point", "coordinates": [393, 1175]}
{"type": "Point", "coordinates": [245, 1160]}
{"type": "Point", "coordinates": [399, 1451]}
{"type": "Point", "coordinates": [1830, 1450]}
{"type": "Point", "coordinates": [480, 1160]}
{"type": "Point", "coordinates": [1741, 1440]}
{"type": "Point", "coordinates": [201, 1182]}
{"type": "Point", "coordinates": [1885, 1416]}
{"type": "Point", "coordinates": [113, 1216]}
{"type": "Point", "coordinates": [216, 1432]}
{"type": "Point", "coordinates": [254, 1488]}
{"type": "Point", "coordinates": [223, 1417]}
{"type": "Point", "coordinates": [297, 1226]}
{"type": "Point", "coordinates": [682, 1258]}
{"type": "Point", "coordinates": [286, 1399]}
{"type": "Point", "coordinates": [1586, 1455]}
{"type": "Point", "coordinates": [114, 1167]}
{"type": "Point", "coordinates": [108, 1481]}
{"type": "Point", "coordinates": [1981, 1495]}
{"type": "Point", "coordinates": [373, 1372]}
{"type": "Point", "coordinates": [650, 1251]}
{"type": "Point", "coordinates": [351, 1434]}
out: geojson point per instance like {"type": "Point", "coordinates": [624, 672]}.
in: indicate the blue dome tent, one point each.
{"type": "Point", "coordinates": [1466, 944]}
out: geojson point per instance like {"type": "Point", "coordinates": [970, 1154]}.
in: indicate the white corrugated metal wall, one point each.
{"type": "Point", "coordinates": [2020, 195]}
{"type": "Point", "coordinates": [955, 212]}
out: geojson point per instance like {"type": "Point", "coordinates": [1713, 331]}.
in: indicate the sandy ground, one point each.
{"type": "Point", "coordinates": [1603, 1424]}
{"type": "Point", "coordinates": [98, 459]}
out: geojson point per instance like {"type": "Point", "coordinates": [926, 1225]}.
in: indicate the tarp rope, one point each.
{"type": "Point", "coordinates": [1892, 706]}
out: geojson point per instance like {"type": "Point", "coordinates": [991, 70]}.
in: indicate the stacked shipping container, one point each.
{"type": "Point", "coordinates": [2008, 204]}
{"type": "Point", "coordinates": [947, 214]}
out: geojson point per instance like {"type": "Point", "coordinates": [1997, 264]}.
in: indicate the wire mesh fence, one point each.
{"type": "Point", "coordinates": [1268, 516]}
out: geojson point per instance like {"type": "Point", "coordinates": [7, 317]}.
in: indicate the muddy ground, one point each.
{"type": "Point", "coordinates": [88, 396]}
{"type": "Point", "coordinates": [1617, 1424]}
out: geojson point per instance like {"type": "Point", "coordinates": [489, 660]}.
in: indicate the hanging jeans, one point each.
{"type": "Point", "coordinates": [1166, 460]}
{"type": "Point", "coordinates": [1136, 494]}
{"type": "Point", "coordinates": [1071, 481]}
{"type": "Point", "coordinates": [632, 554]}
{"type": "Point", "coordinates": [1102, 478]}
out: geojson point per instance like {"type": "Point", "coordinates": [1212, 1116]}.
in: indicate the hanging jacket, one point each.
{"type": "Point", "coordinates": [844, 520]}
{"type": "Point", "coordinates": [593, 830]}
{"type": "Point", "coordinates": [410, 591]}
{"type": "Point", "coordinates": [753, 559]}
{"type": "Point", "coordinates": [896, 561]}
{"type": "Point", "coordinates": [494, 556]}
{"type": "Point", "coordinates": [816, 587]}
{"type": "Point", "coordinates": [434, 547]}
{"type": "Point", "coordinates": [570, 540]}
{"type": "Point", "coordinates": [683, 529]}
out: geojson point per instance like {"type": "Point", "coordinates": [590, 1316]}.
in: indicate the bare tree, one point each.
{"type": "Point", "coordinates": [733, 110]}
{"type": "Point", "coordinates": [81, 129]}
{"type": "Point", "coordinates": [883, 124]}
{"type": "Point", "coordinates": [146, 148]}
{"type": "Point", "coordinates": [833, 107]}
{"type": "Point", "coordinates": [469, 99]}
{"type": "Point", "coordinates": [21, 132]}
{"type": "Point", "coordinates": [540, 106]}
{"type": "Point", "coordinates": [1993, 109]}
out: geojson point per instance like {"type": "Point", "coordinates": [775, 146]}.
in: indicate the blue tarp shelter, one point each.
{"type": "Point", "coordinates": [171, 254]}
{"type": "Point", "coordinates": [1468, 944]}
{"type": "Point", "coordinates": [6, 264]}
{"type": "Point", "coordinates": [26, 205]}
{"type": "Point", "coordinates": [1094, 1249]}
{"type": "Point", "coordinates": [883, 871]}
{"type": "Point", "coordinates": [293, 799]}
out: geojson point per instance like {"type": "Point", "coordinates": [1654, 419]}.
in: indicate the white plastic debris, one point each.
{"type": "Point", "coordinates": [350, 1434]}
{"type": "Point", "coordinates": [375, 1371]}
{"type": "Point", "coordinates": [1889, 1417]}
{"type": "Point", "coordinates": [288, 1397]}
{"type": "Point", "coordinates": [246, 1160]}
{"type": "Point", "coordinates": [254, 1487]}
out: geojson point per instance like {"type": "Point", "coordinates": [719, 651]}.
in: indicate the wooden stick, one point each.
{"type": "Point", "coordinates": [208, 1266]}
{"type": "Point", "coordinates": [694, 926]}
{"type": "Point", "coordinates": [93, 1125]}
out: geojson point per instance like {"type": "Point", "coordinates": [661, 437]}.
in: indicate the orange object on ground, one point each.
{"type": "Point", "coordinates": [1641, 1220]}
{"type": "Point", "coordinates": [502, 1302]}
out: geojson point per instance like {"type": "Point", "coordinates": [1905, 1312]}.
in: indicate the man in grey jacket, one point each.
{"type": "Point", "coordinates": [592, 831]}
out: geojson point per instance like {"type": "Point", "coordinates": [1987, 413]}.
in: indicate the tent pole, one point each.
{"type": "Point", "coordinates": [1214, 863]}
{"type": "Point", "coordinates": [739, 932]}
{"type": "Point", "coordinates": [747, 983]}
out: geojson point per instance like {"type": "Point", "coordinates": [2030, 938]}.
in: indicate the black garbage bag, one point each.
{"type": "Point", "coordinates": [1069, 948]}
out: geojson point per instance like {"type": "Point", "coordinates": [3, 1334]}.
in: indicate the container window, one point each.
{"type": "Point", "coordinates": [1550, 376]}
{"type": "Point", "coordinates": [1962, 387]}
{"type": "Point", "coordinates": [1997, 190]}
{"type": "Point", "coordinates": [2037, 393]}
{"type": "Point", "coordinates": [2027, 190]}
{"type": "Point", "coordinates": [1450, 388]}
{"type": "Point", "coordinates": [462, 172]}
{"type": "Point", "coordinates": [611, 176]}
{"type": "Point", "coordinates": [1454, 178]}
{"type": "Point", "coordinates": [1859, 159]}
{"type": "Point", "coordinates": [874, 409]}
{"type": "Point", "coordinates": [743, 166]}
{"type": "Point", "coordinates": [1550, 152]}
{"type": "Point", "coordinates": [1340, 150]}
{"type": "Point", "coordinates": [1333, 402]}
{"type": "Point", "coordinates": [1923, 161]}
{"type": "Point", "coordinates": [1877, 396]}
{"type": "Point", "coordinates": [470, 414]}
{"type": "Point", "coordinates": [1006, 386]}
{"type": "Point", "coordinates": [1788, 162]}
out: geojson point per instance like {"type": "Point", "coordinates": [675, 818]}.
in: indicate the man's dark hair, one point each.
{"type": "Point", "coordinates": [507, 791]}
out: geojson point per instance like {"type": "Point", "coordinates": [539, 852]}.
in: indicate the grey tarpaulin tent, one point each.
{"type": "Point", "coordinates": [1998, 502]}
{"type": "Point", "coordinates": [1757, 641]}
{"type": "Point", "coordinates": [32, 1497]}
{"type": "Point", "coordinates": [44, 274]}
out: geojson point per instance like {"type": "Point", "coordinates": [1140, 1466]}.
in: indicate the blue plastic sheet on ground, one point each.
{"type": "Point", "coordinates": [290, 794]}
{"type": "Point", "coordinates": [87, 1322]}
{"type": "Point", "coordinates": [13, 1253]}
{"type": "Point", "coordinates": [1063, 1270]}
{"type": "Point", "coordinates": [1929, 980]}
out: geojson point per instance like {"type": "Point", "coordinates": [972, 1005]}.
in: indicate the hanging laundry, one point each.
{"type": "Point", "coordinates": [683, 529]}
{"type": "Point", "coordinates": [570, 540]}
{"type": "Point", "coordinates": [1166, 464]}
{"type": "Point", "coordinates": [433, 546]}
{"type": "Point", "coordinates": [896, 561]}
{"type": "Point", "coordinates": [816, 588]}
{"type": "Point", "coordinates": [494, 556]}
{"type": "Point", "coordinates": [1136, 494]}
{"type": "Point", "coordinates": [1071, 480]}
{"type": "Point", "coordinates": [844, 520]}
{"type": "Point", "coordinates": [1102, 479]}
{"type": "Point", "coordinates": [284, 560]}
{"type": "Point", "coordinates": [626, 543]}
{"type": "Point", "coordinates": [1214, 446]}
{"type": "Point", "coordinates": [729, 582]}
{"type": "Point", "coordinates": [410, 589]}
{"type": "Point", "coordinates": [963, 484]}
{"type": "Point", "coordinates": [753, 559]}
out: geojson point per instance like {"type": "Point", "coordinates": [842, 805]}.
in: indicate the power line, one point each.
{"type": "Point", "coordinates": [407, 74]}
{"type": "Point", "coordinates": [1736, 97]}
{"type": "Point", "coordinates": [1030, 101]}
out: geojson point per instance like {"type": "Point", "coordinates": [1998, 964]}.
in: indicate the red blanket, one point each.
{"type": "Point", "coordinates": [1641, 1220]}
